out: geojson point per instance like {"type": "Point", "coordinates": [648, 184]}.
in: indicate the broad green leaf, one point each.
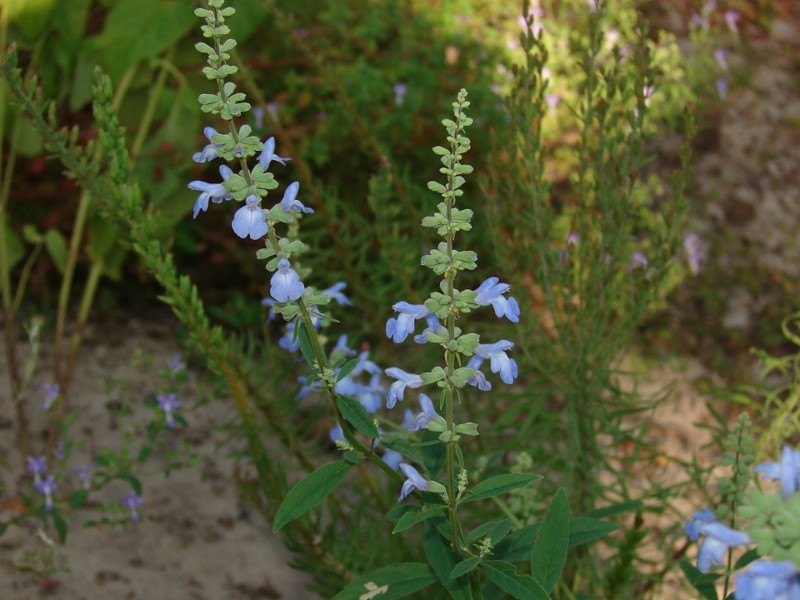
{"type": "Point", "coordinates": [585, 529]}
{"type": "Point", "coordinates": [15, 250]}
{"type": "Point", "coordinates": [704, 583]}
{"type": "Point", "coordinates": [465, 566]}
{"type": "Point", "coordinates": [78, 499]}
{"type": "Point", "coordinates": [550, 550]}
{"type": "Point", "coordinates": [500, 484]}
{"type": "Point", "coordinates": [411, 518]}
{"type": "Point", "coordinates": [745, 559]}
{"type": "Point", "coordinates": [390, 582]}
{"type": "Point", "coordinates": [310, 491]}
{"type": "Point", "coordinates": [443, 560]}
{"type": "Point", "coordinates": [523, 587]}
{"type": "Point", "coordinates": [355, 414]}
{"type": "Point", "coordinates": [517, 546]}
{"type": "Point", "coordinates": [135, 483]}
{"type": "Point", "coordinates": [615, 509]}
{"type": "Point", "coordinates": [56, 248]}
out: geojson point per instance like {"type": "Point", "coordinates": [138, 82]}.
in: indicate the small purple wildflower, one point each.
{"type": "Point", "coordinates": [397, 389]}
{"type": "Point", "coordinates": [287, 340]}
{"type": "Point", "coordinates": [285, 284]}
{"type": "Point", "coordinates": [59, 451]}
{"type": "Point", "coordinates": [731, 18]}
{"type": "Point", "coordinates": [695, 252]}
{"type": "Point", "coordinates": [258, 115]}
{"type": "Point", "coordinates": [84, 475]}
{"type": "Point", "coordinates": [175, 363]}
{"type": "Point", "coordinates": [36, 466]}
{"type": "Point", "coordinates": [400, 90]}
{"type": "Point", "coordinates": [638, 261]}
{"type": "Point", "coordinates": [433, 326]}
{"type": "Point", "coordinates": [479, 379]}
{"type": "Point", "coordinates": [133, 501]}
{"type": "Point", "coordinates": [51, 393]}
{"type": "Point", "coordinates": [210, 151]}
{"type": "Point", "coordinates": [47, 487]}
{"type": "Point", "coordinates": [272, 107]}
{"type": "Point", "coordinates": [573, 238]}
{"type": "Point", "coordinates": [249, 220]}
{"type": "Point", "coordinates": [336, 434]}
{"type": "Point", "coordinates": [552, 100]}
{"type": "Point", "coordinates": [698, 21]}
{"type": "Point", "coordinates": [341, 346]}
{"type": "Point", "coordinates": [414, 481]}
{"type": "Point", "coordinates": [168, 403]}
{"type": "Point", "coordinates": [366, 366]}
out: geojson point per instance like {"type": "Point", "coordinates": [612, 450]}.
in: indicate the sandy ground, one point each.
{"type": "Point", "coordinates": [197, 538]}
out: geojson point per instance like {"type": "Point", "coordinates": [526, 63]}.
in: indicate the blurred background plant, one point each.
{"type": "Point", "coordinates": [574, 210]}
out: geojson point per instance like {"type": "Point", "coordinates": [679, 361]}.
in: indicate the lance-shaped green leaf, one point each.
{"type": "Point", "coordinates": [411, 518]}
{"type": "Point", "coordinates": [583, 530]}
{"type": "Point", "coordinates": [310, 491]}
{"type": "Point", "coordinates": [504, 575]}
{"type": "Point", "coordinates": [550, 550]}
{"type": "Point", "coordinates": [388, 583]}
{"type": "Point", "coordinates": [500, 484]}
{"type": "Point", "coordinates": [704, 583]}
{"type": "Point", "coordinates": [444, 560]}
{"type": "Point", "coordinates": [355, 414]}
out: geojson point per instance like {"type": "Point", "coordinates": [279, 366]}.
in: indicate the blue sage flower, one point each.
{"type": "Point", "coordinates": [169, 404]}
{"type": "Point", "coordinates": [392, 458]}
{"type": "Point", "coordinates": [478, 380]}
{"type": "Point", "coordinates": [765, 580]}
{"type": "Point", "coordinates": [250, 220]}
{"type": "Point", "coordinates": [268, 155]}
{"type": "Point", "coordinates": [132, 502]}
{"type": "Point", "coordinates": [397, 389]}
{"type": "Point", "coordinates": [433, 327]}
{"type": "Point", "coordinates": [787, 471]}
{"type": "Point", "coordinates": [335, 293]}
{"type": "Point", "coordinates": [215, 192]}
{"type": "Point", "coordinates": [210, 151]}
{"type": "Point", "coordinates": [336, 434]}
{"type": "Point", "coordinates": [288, 341]}
{"type": "Point", "coordinates": [500, 362]}
{"type": "Point", "coordinates": [366, 366]}
{"type": "Point", "coordinates": [36, 466]}
{"type": "Point", "coordinates": [718, 538]}
{"type": "Point", "coordinates": [285, 284]}
{"type": "Point", "coordinates": [399, 328]}
{"type": "Point", "coordinates": [47, 487]}
{"type": "Point", "coordinates": [414, 481]}
{"type": "Point", "coordinates": [491, 292]}
{"type": "Point", "coordinates": [427, 414]}
{"type": "Point", "coordinates": [290, 203]}
{"type": "Point", "coordinates": [51, 393]}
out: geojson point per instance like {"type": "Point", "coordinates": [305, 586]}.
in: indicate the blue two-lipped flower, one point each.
{"type": "Point", "coordinates": [426, 415]}
{"type": "Point", "coordinates": [285, 284]}
{"type": "Point", "coordinates": [215, 192]}
{"type": "Point", "coordinates": [268, 155]}
{"type": "Point", "coordinates": [210, 151]}
{"type": "Point", "coordinates": [765, 580]}
{"type": "Point", "coordinates": [500, 362]}
{"type": "Point", "coordinates": [491, 292]}
{"type": "Point", "coordinates": [397, 388]}
{"type": "Point", "coordinates": [718, 538]}
{"type": "Point", "coordinates": [335, 293]}
{"type": "Point", "coordinates": [290, 203]}
{"type": "Point", "coordinates": [398, 329]}
{"type": "Point", "coordinates": [786, 470]}
{"type": "Point", "coordinates": [250, 220]}
{"type": "Point", "coordinates": [414, 481]}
